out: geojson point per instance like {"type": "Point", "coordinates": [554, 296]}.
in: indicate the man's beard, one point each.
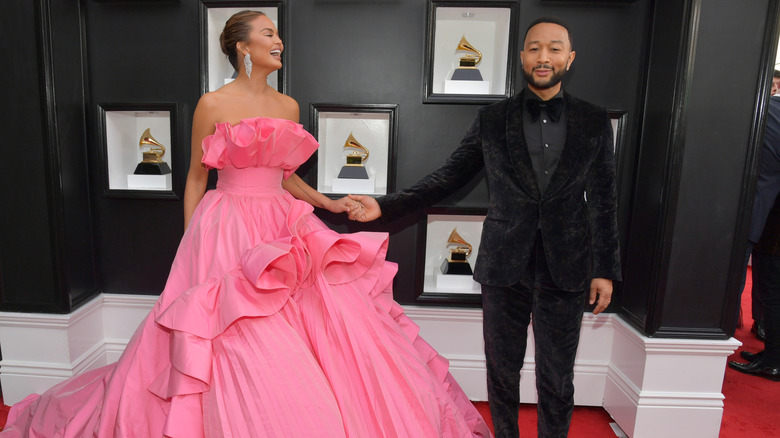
{"type": "Point", "coordinates": [554, 80]}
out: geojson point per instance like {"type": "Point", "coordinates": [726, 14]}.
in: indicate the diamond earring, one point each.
{"type": "Point", "coordinates": [248, 65]}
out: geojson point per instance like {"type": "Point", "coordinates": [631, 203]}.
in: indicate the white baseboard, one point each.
{"type": "Point", "coordinates": [666, 387]}
{"type": "Point", "coordinates": [651, 387]}
{"type": "Point", "coordinates": [457, 335]}
{"type": "Point", "coordinates": [41, 350]}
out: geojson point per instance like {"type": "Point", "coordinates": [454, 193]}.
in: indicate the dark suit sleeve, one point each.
{"type": "Point", "coordinates": [768, 180]}
{"type": "Point", "coordinates": [601, 192]}
{"type": "Point", "coordinates": [456, 172]}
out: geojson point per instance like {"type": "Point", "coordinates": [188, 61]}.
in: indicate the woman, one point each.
{"type": "Point", "coordinates": [270, 323]}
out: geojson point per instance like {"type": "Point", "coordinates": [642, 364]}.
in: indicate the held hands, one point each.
{"type": "Point", "coordinates": [359, 207]}
{"type": "Point", "coordinates": [340, 205]}
{"type": "Point", "coordinates": [364, 208]}
{"type": "Point", "coordinates": [603, 288]}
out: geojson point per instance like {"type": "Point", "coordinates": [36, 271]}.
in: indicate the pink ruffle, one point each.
{"type": "Point", "coordinates": [267, 277]}
{"type": "Point", "coordinates": [258, 142]}
{"type": "Point", "coordinates": [344, 258]}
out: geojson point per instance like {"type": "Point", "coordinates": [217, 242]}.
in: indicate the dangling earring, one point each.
{"type": "Point", "coordinates": [248, 65]}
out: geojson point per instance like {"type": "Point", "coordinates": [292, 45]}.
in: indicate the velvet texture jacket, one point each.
{"type": "Point", "coordinates": [577, 213]}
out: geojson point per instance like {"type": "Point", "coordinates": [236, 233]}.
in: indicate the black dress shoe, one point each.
{"type": "Point", "coordinates": [757, 368]}
{"type": "Point", "coordinates": [750, 357]}
{"type": "Point", "coordinates": [759, 330]}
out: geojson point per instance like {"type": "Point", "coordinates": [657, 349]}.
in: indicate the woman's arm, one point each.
{"type": "Point", "coordinates": [297, 187]}
{"type": "Point", "coordinates": [300, 190]}
{"type": "Point", "coordinates": [197, 177]}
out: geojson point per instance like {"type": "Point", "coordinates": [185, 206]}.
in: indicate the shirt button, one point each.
{"type": "Point", "coordinates": [546, 145]}
{"type": "Point", "coordinates": [544, 120]}
{"type": "Point", "coordinates": [546, 172]}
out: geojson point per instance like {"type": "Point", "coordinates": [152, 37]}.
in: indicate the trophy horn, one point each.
{"type": "Point", "coordinates": [460, 244]}
{"type": "Point", "coordinates": [468, 60]}
{"type": "Point", "coordinates": [361, 151]}
{"type": "Point", "coordinates": [155, 147]}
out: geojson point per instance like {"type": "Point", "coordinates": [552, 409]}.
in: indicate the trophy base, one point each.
{"type": "Point", "coordinates": [353, 172]}
{"type": "Point", "coordinates": [466, 74]}
{"type": "Point", "coordinates": [152, 169]}
{"type": "Point", "coordinates": [355, 186]}
{"type": "Point", "coordinates": [456, 268]}
{"type": "Point", "coordinates": [456, 283]}
{"type": "Point", "coordinates": [467, 87]}
{"type": "Point", "coordinates": [149, 182]}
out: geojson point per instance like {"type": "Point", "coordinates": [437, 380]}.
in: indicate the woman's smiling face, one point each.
{"type": "Point", "coordinates": [264, 45]}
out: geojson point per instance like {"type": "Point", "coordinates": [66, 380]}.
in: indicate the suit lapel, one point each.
{"type": "Point", "coordinates": [572, 148]}
{"type": "Point", "coordinates": [518, 149]}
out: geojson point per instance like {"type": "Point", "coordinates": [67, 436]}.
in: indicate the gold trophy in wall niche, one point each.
{"type": "Point", "coordinates": [457, 263]}
{"type": "Point", "coordinates": [152, 163]}
{"type": "Point", "coordinates": [357, 155]}
{"type": "Point", "coordinates": [467, 65]}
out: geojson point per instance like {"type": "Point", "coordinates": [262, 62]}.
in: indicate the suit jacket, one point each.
{"type": "Point", "coordinates": [580, 236]}
{"type": "Point", "coordinates": [768, 179]}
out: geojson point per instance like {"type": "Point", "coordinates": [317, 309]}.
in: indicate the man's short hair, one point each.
{"type": "Point", "coordinates": [552, 20]}
{"type": "Point", "coordinates": [776, 74]}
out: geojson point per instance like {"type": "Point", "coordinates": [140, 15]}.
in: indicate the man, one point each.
{"type": "Point", "coordinates": [775, 82]}
{"type": "Point", "coordinates": [767, 190]}
{"type": "Point", "coordinates": [763, 236]}
{"type": "Point", "coordinates": [544, 244]}
{"type": "Point", "coordinates": [766, 274]}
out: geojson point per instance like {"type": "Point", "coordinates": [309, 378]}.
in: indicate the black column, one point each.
{"type": "Point", "coordinates": [47, 251]}
{"type": "Point", "coordinates": [706, 89]}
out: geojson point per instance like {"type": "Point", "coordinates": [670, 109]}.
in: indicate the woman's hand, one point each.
{"type": "Point", "coordinates": [340, 205]}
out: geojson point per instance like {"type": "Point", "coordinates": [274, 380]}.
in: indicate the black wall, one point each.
{"type": "Point", "coordinates": [684, 169]}
{"type": "Point", "coordinates": [610, 41]}
{"type": "Point", "coordinates": [140, 52]}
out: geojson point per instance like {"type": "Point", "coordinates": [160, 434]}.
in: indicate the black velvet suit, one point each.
{"type": "Point", "coordinates": [580, 237]}
{"type": "Point", "coordinates": [539, 251]}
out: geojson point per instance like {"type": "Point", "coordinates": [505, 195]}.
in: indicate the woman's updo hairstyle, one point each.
{"type": "Point", "coordinates": [236, 30]}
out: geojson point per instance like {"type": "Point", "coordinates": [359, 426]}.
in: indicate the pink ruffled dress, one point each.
{"type": "Point", "coordinates": [270, 325]}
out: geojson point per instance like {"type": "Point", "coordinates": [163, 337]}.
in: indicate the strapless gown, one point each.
{"type": "Point", "coordinates": [270, 325]}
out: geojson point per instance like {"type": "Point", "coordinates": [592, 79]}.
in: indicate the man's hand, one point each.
{"type": "Point", "coordinates": [366, 209]}
{"type": "Point", "coordinates": [603, 288]}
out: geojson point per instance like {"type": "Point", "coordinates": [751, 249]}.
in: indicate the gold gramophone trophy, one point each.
{"type": "Point", "coordinates": [457, 263]}
{"type": "Point", "coordinates": [467, 65]}
{"type": "Point", "coordinates": [357, 155]}
{"type": "Point", "coordinates": [152, 163]}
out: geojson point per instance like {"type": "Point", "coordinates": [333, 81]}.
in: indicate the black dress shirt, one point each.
{"type": "Point", "coordinates": [545, 140]}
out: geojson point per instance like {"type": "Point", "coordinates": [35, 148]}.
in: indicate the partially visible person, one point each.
{"type": "Point", "coordinates": [545, 249]}
{"type": "Point", "coordinates": [270, 324]}
{"type": "Point", "coordinates": [775, 82]}
{"type": "Point", "coordinates": [767, 190]}
{"type": "Point", "coordinates": [766, 272]}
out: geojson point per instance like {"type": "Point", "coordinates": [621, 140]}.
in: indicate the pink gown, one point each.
{"type": "Point", "coordinates": [270, 325]}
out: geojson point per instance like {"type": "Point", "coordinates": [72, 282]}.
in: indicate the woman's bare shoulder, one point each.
{"type": "Point", "coordinates": [216, 98]}
{"type": "Point", "coordinates": [216, 105]}
{"type": "Point", "coordinates": [209, 111]}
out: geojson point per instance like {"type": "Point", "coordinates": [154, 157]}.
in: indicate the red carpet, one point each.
{"type": "Point", "coordinates": [3, 413]}
{"type": "Point", "coordinates": [586, 422]}
{"type": "Point", "coordinates": [751, 405]}
{"type": "Point", "coordinates": [750, 408]}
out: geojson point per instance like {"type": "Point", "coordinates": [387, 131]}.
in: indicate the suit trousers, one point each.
{"type": "Point", "coordinates": [557, 317]}
{"type": "Point", "coordinates": [767, 274]}
{"type": "Point", "coordinates": [757, 306]}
